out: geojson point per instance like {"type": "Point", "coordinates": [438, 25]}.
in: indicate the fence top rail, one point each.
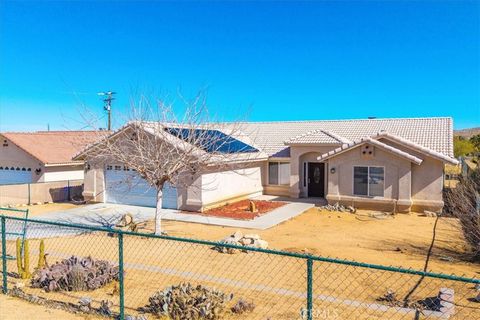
{"type": "Point", "coordinates": [268, 251]}
{"type": "Point", "coordinates": [14, 210]}
{"type": "Point", "coordinates": [42, 182]}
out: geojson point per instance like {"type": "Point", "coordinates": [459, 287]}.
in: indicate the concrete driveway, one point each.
{"type": "Point", "coordinates": [98, 215]}
{"type": "Point", "coordinates": [107, 215]}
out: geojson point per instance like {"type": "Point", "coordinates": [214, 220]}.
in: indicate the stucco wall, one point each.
{"type": "Point", "coordinates": [239, 182]}
{"type": "Point", "coordinates": [427, 179]}
{"type": "Point", "coordinates": [397, 179]}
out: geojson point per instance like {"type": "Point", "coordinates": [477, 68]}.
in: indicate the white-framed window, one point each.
{"type": "Point", "coordinates": [279, 173]}
{"type": "Point", "coordinates": [368, 181]}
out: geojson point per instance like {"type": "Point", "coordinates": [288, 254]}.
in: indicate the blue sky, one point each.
{"type": "Point", "coordinates": [278, 60]}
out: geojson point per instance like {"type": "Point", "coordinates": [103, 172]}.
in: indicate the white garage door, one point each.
{"type": "Point", "coordinates": [169, 197]}
{"type": "Point", "coordinates": [15, 175]}
{"type": "Point", "coordinates": [127, 187]}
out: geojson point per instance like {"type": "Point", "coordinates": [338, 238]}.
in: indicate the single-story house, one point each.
{"type": "Point", "coordinates": [43, 156]}
{"type": "Point", "coordinates": [372, 163]}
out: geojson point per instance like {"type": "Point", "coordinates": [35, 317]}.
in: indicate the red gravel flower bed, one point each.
{"type": "Point", "coordinates": [240, 210]}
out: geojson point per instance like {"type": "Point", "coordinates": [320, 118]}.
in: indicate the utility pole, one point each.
{"type": "Point", "coordinates": [107, 105]}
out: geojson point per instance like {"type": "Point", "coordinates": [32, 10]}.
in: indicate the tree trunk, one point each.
{"type": "Point", "coordinates": [158, 212]}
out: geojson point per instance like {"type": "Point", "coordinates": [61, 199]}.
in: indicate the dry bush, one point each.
{"type": "Point", "coordinates": [463, 203]}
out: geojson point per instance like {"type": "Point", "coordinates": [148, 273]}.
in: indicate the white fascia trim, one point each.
{"type": "Point", "coordinates": [417, 147]}
{"type": "Point", "coordinates": [386, 147]}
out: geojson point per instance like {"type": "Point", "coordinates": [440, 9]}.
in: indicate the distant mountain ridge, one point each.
{"type": "Point", "coordinates": [467, 133]}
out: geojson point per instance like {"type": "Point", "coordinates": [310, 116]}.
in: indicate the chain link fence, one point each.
{"type": "Point", "coordinates": [141, 273]}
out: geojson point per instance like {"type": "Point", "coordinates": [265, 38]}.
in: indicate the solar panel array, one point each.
{"type": "Point", "coordinates": [212, 141]}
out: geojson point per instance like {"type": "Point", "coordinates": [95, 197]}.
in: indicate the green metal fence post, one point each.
{"type": "Point", "coordinates": [309, 288]}
{"type": "Point", "coordinates": [120, 276]}
{"type": "Point", "coordinates": [4, 257]}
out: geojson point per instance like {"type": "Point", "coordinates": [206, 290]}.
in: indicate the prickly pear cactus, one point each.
{"type": "Point", "coordinates": [186, 302]}
{"type": "Point", "coordinates": [75, 274]}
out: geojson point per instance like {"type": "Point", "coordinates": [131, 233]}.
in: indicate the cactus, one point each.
{"type": "Point", "coordinates": [26, 261]}
{"type": "Point", "coordinates": [78, 278]}
{"type": "Point", "coordinates": [23, 266]}
{"type": "Point", "coordinates": [75, 274]}
{"type": "Point", "coordinates": [243, 306]}
{"type": "Point", "coordinates": [19, 258]}
{"type": "Point", "coordinates": [41, 255]}
{"type": "Point", "coordinates": [186, 301]}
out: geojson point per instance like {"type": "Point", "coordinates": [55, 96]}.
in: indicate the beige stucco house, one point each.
{"type": "Point", "coordinates": [372, 163]}
{"type": "Point", "coordinates": [43, 156]}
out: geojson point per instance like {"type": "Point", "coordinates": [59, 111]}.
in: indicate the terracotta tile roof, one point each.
{"type": "Point", "coordinates": [52, 147]}
{"type": "Point", "coordinates": [432, 133]}
{"type": "Point", "coordinates": [376, 143]}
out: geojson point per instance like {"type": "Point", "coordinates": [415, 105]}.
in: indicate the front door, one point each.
{"type": "Point", "coordinates": [316, 179]}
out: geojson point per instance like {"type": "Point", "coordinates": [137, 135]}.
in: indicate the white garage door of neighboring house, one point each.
{"type": "Point", "coordinates": [15, 175]}
{"type": "Point", "coordinates": [124, 186]}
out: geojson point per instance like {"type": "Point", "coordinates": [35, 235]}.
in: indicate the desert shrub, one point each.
{"type": "Point", "coordinates": [463, 202]}
{"type": "Point", "coordinates": [185, 302]}
{"type": "Point", "coordinates": [243, 306]}
{"type": "Point", "coordinates": [75, 274]}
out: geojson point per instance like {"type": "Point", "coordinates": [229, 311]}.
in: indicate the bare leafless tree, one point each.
{"type": "Point", "coordinates": [165, 148]}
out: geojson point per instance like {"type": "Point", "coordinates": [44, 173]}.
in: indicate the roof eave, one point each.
{"type": "Point", "coordinates": [414, 146]}
{"type": "Point", "coordinates": [390, 149]}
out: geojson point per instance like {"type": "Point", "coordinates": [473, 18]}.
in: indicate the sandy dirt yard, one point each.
{"type": "Point", "coordinates": [402, 240]}
{"type": "Point", "coordinates": [16, 309]}
{"type": "Point", "coordinates": [277, 284]}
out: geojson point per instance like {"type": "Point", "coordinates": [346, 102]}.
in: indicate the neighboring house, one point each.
{"type": "Point", "coordinates": [374, 163]}
{"type": "Point", "coordinates": [43, 156]}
